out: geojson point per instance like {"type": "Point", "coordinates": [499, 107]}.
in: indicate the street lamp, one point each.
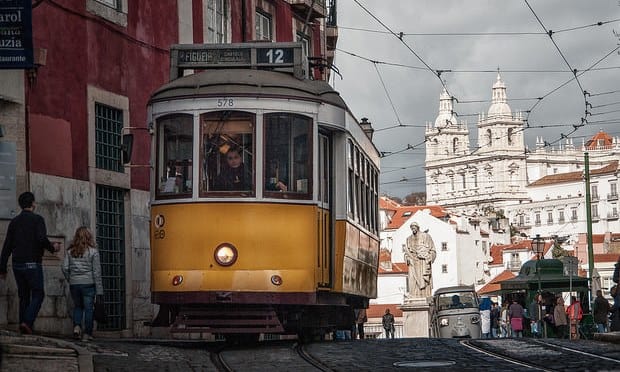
{"type": "Point", "coordinates": [538, 247]}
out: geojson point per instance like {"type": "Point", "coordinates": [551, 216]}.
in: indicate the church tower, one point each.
{"type": "Point", "coordinates": [447, 138]}
{"type": "Point", "coordinates": [489, 176]}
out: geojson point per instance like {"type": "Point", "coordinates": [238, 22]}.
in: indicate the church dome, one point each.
{"type": "Point", "coordinates": [446, 115]}
{"type": "Point", "coordinates": [499, 105]}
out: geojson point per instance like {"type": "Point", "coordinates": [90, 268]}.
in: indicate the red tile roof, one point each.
{"type": "Point", "coordinates": [598, 238]}
{"type": "Point", "coordinates": [377, 310]}
{"type": "Point", "coordinates": [606, 257]}
{"type": "Point", "coordinates": [497, 250]}
{"type": "Point", "coordinates": [404, 213]}
{"type": "Point", "coordinates": [397, 268]}
{"type": "Point", "coordinates": [494, 284]}
{"type": "Point", "coordinates": [600, 139]}
{"type": "Point", "coordinates": [574, 176]}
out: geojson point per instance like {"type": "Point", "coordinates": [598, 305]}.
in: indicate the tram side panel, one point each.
{"type": "Point", "coordinates": [357, 261]}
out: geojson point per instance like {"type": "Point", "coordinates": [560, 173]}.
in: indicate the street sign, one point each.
{"type": "Point", "coordinates": [16, 34]}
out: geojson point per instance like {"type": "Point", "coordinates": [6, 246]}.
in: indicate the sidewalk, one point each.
{"type": "Point", "coordinates": [608, 337]}
{"type": "Point", "coordinates": [39, 353]}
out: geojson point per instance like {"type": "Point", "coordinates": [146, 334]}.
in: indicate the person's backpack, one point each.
{"type": "Point", "coordinates": [613, 291]}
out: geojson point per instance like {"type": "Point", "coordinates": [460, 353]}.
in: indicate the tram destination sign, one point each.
{"type": "Point", "coordinates": [281, 56]}
{"type": "Point", "coordinates": [202, 57]}
{"type": "Point", "coordinates": [16, 34]}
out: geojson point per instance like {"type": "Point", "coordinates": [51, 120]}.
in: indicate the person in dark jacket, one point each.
{"type": "Point", "coordinates": [601, 312]}
{"type": "Point", "coordinates": [535, 313]}
{"type": "Point", "coordinates": [235, 176]}
{"type": "Point", "coordinates": [26, 240]}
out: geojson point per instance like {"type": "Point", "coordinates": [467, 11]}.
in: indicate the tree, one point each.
{"type": "Point", "coordinates": [415, 198]}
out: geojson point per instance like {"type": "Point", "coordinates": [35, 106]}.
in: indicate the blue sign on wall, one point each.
{"type": "Point", "coordinates": [16, 34]}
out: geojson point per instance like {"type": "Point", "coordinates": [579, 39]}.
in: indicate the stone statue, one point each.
{"type": "Point", "coordinates": [419, 255]}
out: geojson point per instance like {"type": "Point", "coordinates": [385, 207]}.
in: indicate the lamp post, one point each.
{"type": "Point", "coordinates": [538, 247]}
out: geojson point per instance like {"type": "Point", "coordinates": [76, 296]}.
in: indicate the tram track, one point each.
{"type": "Point", "coordinates": [292, 354]}
{"type": "Point", "coordinates": [540, 355]}
{"type": "Point", "coordinates": [497, 355]}
{"type": "Point", "coordinates": [303, 353]}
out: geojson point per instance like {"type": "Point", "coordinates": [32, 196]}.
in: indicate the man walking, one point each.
{"type": "Point", "coordinates": [388, 323]}
{"type": "Point", "coordinates": [26, 239]}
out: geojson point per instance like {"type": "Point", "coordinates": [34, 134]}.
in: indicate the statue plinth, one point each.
{"type": "Point", "coordinates": [416, 317]}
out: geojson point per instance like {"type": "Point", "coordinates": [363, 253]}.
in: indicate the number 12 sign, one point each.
{"type": "Point", "coordinates": [274, 56]}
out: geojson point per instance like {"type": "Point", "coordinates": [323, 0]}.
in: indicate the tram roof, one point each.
{"type": "Point", "coordinates": [247, 82]}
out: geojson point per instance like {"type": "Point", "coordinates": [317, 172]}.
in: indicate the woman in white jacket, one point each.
{"type": "Point", "coordinates": [82, 268]}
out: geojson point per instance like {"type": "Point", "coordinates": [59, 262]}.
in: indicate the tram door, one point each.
{"type": "Point", "coordinates": [325, 228]}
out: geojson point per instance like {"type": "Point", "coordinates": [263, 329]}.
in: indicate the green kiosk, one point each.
{"type": "Point", "coordinates": [546, 276]}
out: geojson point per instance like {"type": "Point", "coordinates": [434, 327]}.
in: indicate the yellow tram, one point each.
{"type": "Point", "coordinates": [264, 196]}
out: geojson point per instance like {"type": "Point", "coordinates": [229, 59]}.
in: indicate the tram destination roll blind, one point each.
{"type": "Point", "coordinates": [277, 56]}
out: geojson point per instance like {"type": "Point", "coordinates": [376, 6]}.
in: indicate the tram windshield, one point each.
{"type": "Point", "coordinates": [228, 166]}
{"type": "Point", "coordinates": [174, 151]}
{"type": "Point", "coordinates": [227, 152]}
{"type": "Point", "coordinates": [287, 167]}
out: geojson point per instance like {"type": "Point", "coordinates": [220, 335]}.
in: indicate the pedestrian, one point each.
{"type": "Point", "coordinates": [26, 240]}
{"type": "Point", "coordinates": [559, 318]}
{"type": "Point", "coordinates": [575, 313]}
{"type": "Point", "coordinates": [495, 320]}
{"type": "Point", "coordinates": [615, 293]}
{"type": "Point", "coordinates": [515, 314]}
{"type": "Point", "coordinates": [82, 269]}
{"type": "Point", "coordinates": [485, 317]}
{"type": "Point", "coordinates": [388, 324]}
{"type": "Point", "coordinates": [360, 320]}
{"type": "Point", "coordinates": [601, 312]}
{"type": "Point", "coordinates": [535, 313]}
{"type": "Point", "coordinates": [504, 321]}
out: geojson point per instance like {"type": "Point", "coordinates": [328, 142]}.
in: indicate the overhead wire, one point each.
{"type": "Point", "coordinates": [576, 73]}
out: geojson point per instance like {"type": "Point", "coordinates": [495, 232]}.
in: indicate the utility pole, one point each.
{"type": "Point", "coordinates": [589, 224]}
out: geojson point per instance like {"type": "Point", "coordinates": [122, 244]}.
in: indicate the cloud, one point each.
{"type": "Point", "coordinates": [530, 64]}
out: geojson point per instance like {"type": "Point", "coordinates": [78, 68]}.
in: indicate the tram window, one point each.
{"type": "Point", "coordinates": [174, 156]}
{"type": "Point", "coordinates": [227, 154]}
{"type": "Point", "coordinates": [288, 159]}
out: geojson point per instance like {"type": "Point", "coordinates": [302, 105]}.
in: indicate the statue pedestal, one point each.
{"type": "Point", "coordinates": [416, 317]}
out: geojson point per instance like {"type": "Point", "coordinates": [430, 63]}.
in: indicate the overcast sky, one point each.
{"type": "Point", "coordinates": [399, 90]}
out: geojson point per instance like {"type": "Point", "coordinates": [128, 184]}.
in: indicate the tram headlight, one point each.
{"type": "Point", "coordinates": [444, 322]}
{"type": "Point", "coordinates": [177, 280]}
{"type": "Point", "coordinates": [225, 254]}
{"type": "Point", "coordinates": [475, 319]}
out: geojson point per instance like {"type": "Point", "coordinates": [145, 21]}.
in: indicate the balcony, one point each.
{"type": "Point", "coordinates": [331, 39]}
{"type": "Point", "coordinates": [594, 197]}
{"type": "Point", "coordinates": [612, 216]}
{"type": "Point", "coordinates": [316, 8]}
{"type": "Point", "coordinates": [612, 196]}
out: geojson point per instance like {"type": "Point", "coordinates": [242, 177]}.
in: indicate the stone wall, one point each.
{"type": "Point", "coordinates": [67, 204]}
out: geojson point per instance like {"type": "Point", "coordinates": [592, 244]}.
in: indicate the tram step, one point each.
{"type": "Point", "coordinates": [227, 321]}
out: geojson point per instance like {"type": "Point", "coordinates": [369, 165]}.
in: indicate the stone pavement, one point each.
{"type": "Point", "coordinates": [26, 353]}
{"type": "Point", "coordinates": [39, 353]}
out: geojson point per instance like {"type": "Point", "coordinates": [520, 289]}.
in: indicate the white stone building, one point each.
{"type": "Point", "coordinates": [540, 191]}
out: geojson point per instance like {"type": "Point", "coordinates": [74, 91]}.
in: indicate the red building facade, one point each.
{"type": "Point", "coordinates": [97, 63]}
